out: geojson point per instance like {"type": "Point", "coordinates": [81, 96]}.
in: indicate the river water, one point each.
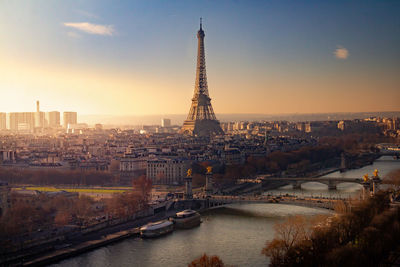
{"type": "Point", "coordinates": [236, 233]}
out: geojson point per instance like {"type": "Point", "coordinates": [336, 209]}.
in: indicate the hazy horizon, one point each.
{"type": "Point", "coordinates": [177, 119]}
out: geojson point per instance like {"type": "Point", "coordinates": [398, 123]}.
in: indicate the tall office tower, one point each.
{"type": "Point", "coordinates": [201, 120]}
{"type": "Point", "coordinates": [3, 121]}
{"type": "Point", "coordinates": [39, 117]}
{"type": "Point", "coordinates": [53, 119]}
{"type": "Point", "coordinates": [21, 121]}
{"type": "Point", "coordinates": [69, 117]}
{"type": "Point", "coordinates": [165, 123]}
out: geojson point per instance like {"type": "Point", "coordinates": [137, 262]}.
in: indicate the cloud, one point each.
{"type": "Point", "coordinates": [91, 28]}
{"type": "Point", "coordinates": [341, 52]}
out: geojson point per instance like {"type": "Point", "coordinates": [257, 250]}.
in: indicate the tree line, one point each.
{"type": "Point", "coordinates": [361, 236]}
{"type": "Point", "coordinates": [28, 214]}
{"type": "Point", "coordinates": [55, 177]}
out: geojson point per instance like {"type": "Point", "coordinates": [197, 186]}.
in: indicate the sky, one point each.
{"type": "Point", "coordinates": [139, 57]}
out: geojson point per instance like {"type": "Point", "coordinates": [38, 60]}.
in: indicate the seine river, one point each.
{"type": "Point", "coordinates": [236, 233]}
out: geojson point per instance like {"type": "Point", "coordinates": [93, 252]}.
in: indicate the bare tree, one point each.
{"type": "Point", "coordinates": [207, 261]}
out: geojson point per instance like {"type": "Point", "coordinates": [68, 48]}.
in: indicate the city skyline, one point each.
{"type": "Point", "coordinates": [139, 58]}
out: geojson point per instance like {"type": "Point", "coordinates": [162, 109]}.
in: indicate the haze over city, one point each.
{"type": "Point", "coordinates": [138, 58]}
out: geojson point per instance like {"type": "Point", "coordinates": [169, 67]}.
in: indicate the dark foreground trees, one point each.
{"type": "Point", "coordinates": [363, 236]}
{"type": "Point", "coordinates": [207, 261]}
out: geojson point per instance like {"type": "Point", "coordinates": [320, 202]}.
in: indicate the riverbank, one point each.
{"type": "Point", "coordinates": [64, 253]}
{"type": "Point", "coordinates": [76, 244]}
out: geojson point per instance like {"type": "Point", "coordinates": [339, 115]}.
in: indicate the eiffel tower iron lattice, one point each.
{"type": "Point", "coordinates": [201, 120]}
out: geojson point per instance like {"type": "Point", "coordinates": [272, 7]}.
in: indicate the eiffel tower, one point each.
{"type": "Point", "coordinates": [201, 120]}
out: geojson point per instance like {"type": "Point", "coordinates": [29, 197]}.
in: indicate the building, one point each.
{"type": "Point", "coordinates": [170, 171]}
{"type": "Point", "coordinates": [132, 166]}
{"type": "Point", "coordinates": [3, 121]}
{"type": "Point", "coordinates": [304, 127]}
{"type": "Point", "coordinates": [69, 117]}
{"type": "Point", "coordinates": [165, 123]}
{"type": "Point", "coordinates": [98, 126]}
{"type": "Point", "coordinates": [201, 120]}
{"type": "Point", "coordinates": [53, 119]}
{"type": "Point", "coordinates": [21, 121]}
{"type": "Point", "coordinates": [39, 117]}
{"type": "Point", "coordinates": [232, 156]}
{"type": "Point", "coordinates": [341, 125]}
{"type": "Point", "coordinates": [7, 156]}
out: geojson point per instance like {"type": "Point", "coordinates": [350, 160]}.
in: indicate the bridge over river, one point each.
{"type": "Point", "coordinates": [331, 182]}
{"type": "Point", "coordinates": [218, 201]}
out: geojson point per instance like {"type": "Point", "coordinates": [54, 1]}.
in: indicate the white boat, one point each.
{"type": "Point", "coordinates": [187, 219]}
{"type": "Point", "coordinates": [155, 229]}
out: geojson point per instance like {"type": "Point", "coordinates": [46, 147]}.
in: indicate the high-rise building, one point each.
{"type": "Point", "coordinates": [53, 119]}
{"type": "Point", "coordinates": [21, 121]}
{"type": "Point", "coordinates": [201, 120]}
{"type": "Point", "coordinates": [3, 121]}
{"type": "Point", "coordinates": [165, 123]}
{"type": "Point", "coordinates": [39, 117]}
{"type": "Point", "coordinates": [69, 117]}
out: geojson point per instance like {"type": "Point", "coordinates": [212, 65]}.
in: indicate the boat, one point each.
{"type": "Point", "coordinates": [186, 219]}
{"type": "Point", "coordinates": [155, 229]}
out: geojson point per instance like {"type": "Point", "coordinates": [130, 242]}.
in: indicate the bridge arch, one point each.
{"type": "Point", "coordinates": [332, 184]}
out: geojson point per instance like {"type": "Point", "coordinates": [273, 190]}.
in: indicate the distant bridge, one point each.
{"type": "Point", "coordinates": [218, 201]}
{"type": "Point", "coordinates": [331, 182]}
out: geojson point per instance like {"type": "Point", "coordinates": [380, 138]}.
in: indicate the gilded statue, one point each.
{"type": "Point", "coordinates": [209, 169]}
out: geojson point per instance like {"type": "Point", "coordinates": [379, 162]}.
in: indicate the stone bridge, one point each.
{"type": "Point", "coordinates": [331, 182]}
{"type": "Point", "coordinates": [218, 201]}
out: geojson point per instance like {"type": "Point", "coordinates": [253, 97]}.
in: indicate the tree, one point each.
{"type": "Point", "coordinates": [62, 218]}
{"type": "Point", "coordinates": [393, 178]}
{"type": "Point", "coordinates": [291, 236]}
{"type": "Point", "coordinates": [142, 188]}
{"type": "Point", "coordinates": [207, 261]}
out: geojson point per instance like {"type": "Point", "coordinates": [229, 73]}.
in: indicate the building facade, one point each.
{"type": "Point", "coordinates": [21, 121]}
{"type": "Point", "coordinates": [69, 117]}
{"type": "Point", "coordinates": [171, 171]}
{"type": "Point", "coordinates": [165, 123]}
{"type": "Point", "coordinates": [3, 121]}
{"type": "Point", "coordinates": [53, 119]}
{"type": "Point", "coordinates": [132, 166]}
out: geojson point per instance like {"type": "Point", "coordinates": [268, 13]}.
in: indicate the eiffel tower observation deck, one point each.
{"type": "Point", "coordinates": [201, 120]}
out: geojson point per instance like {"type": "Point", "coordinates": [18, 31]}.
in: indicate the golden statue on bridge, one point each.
{"type": "Point", "coordinates": [366, 178]}
{"type": "Point", "coordinates": [209, 169]}
{"type": "Point", "coordinates": [376, 173]}
{"type": "Point", "coordinates": [189, 172]}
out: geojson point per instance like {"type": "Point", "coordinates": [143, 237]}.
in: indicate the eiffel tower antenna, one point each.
{"type": "Point", "coordinates": [201, 120]}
